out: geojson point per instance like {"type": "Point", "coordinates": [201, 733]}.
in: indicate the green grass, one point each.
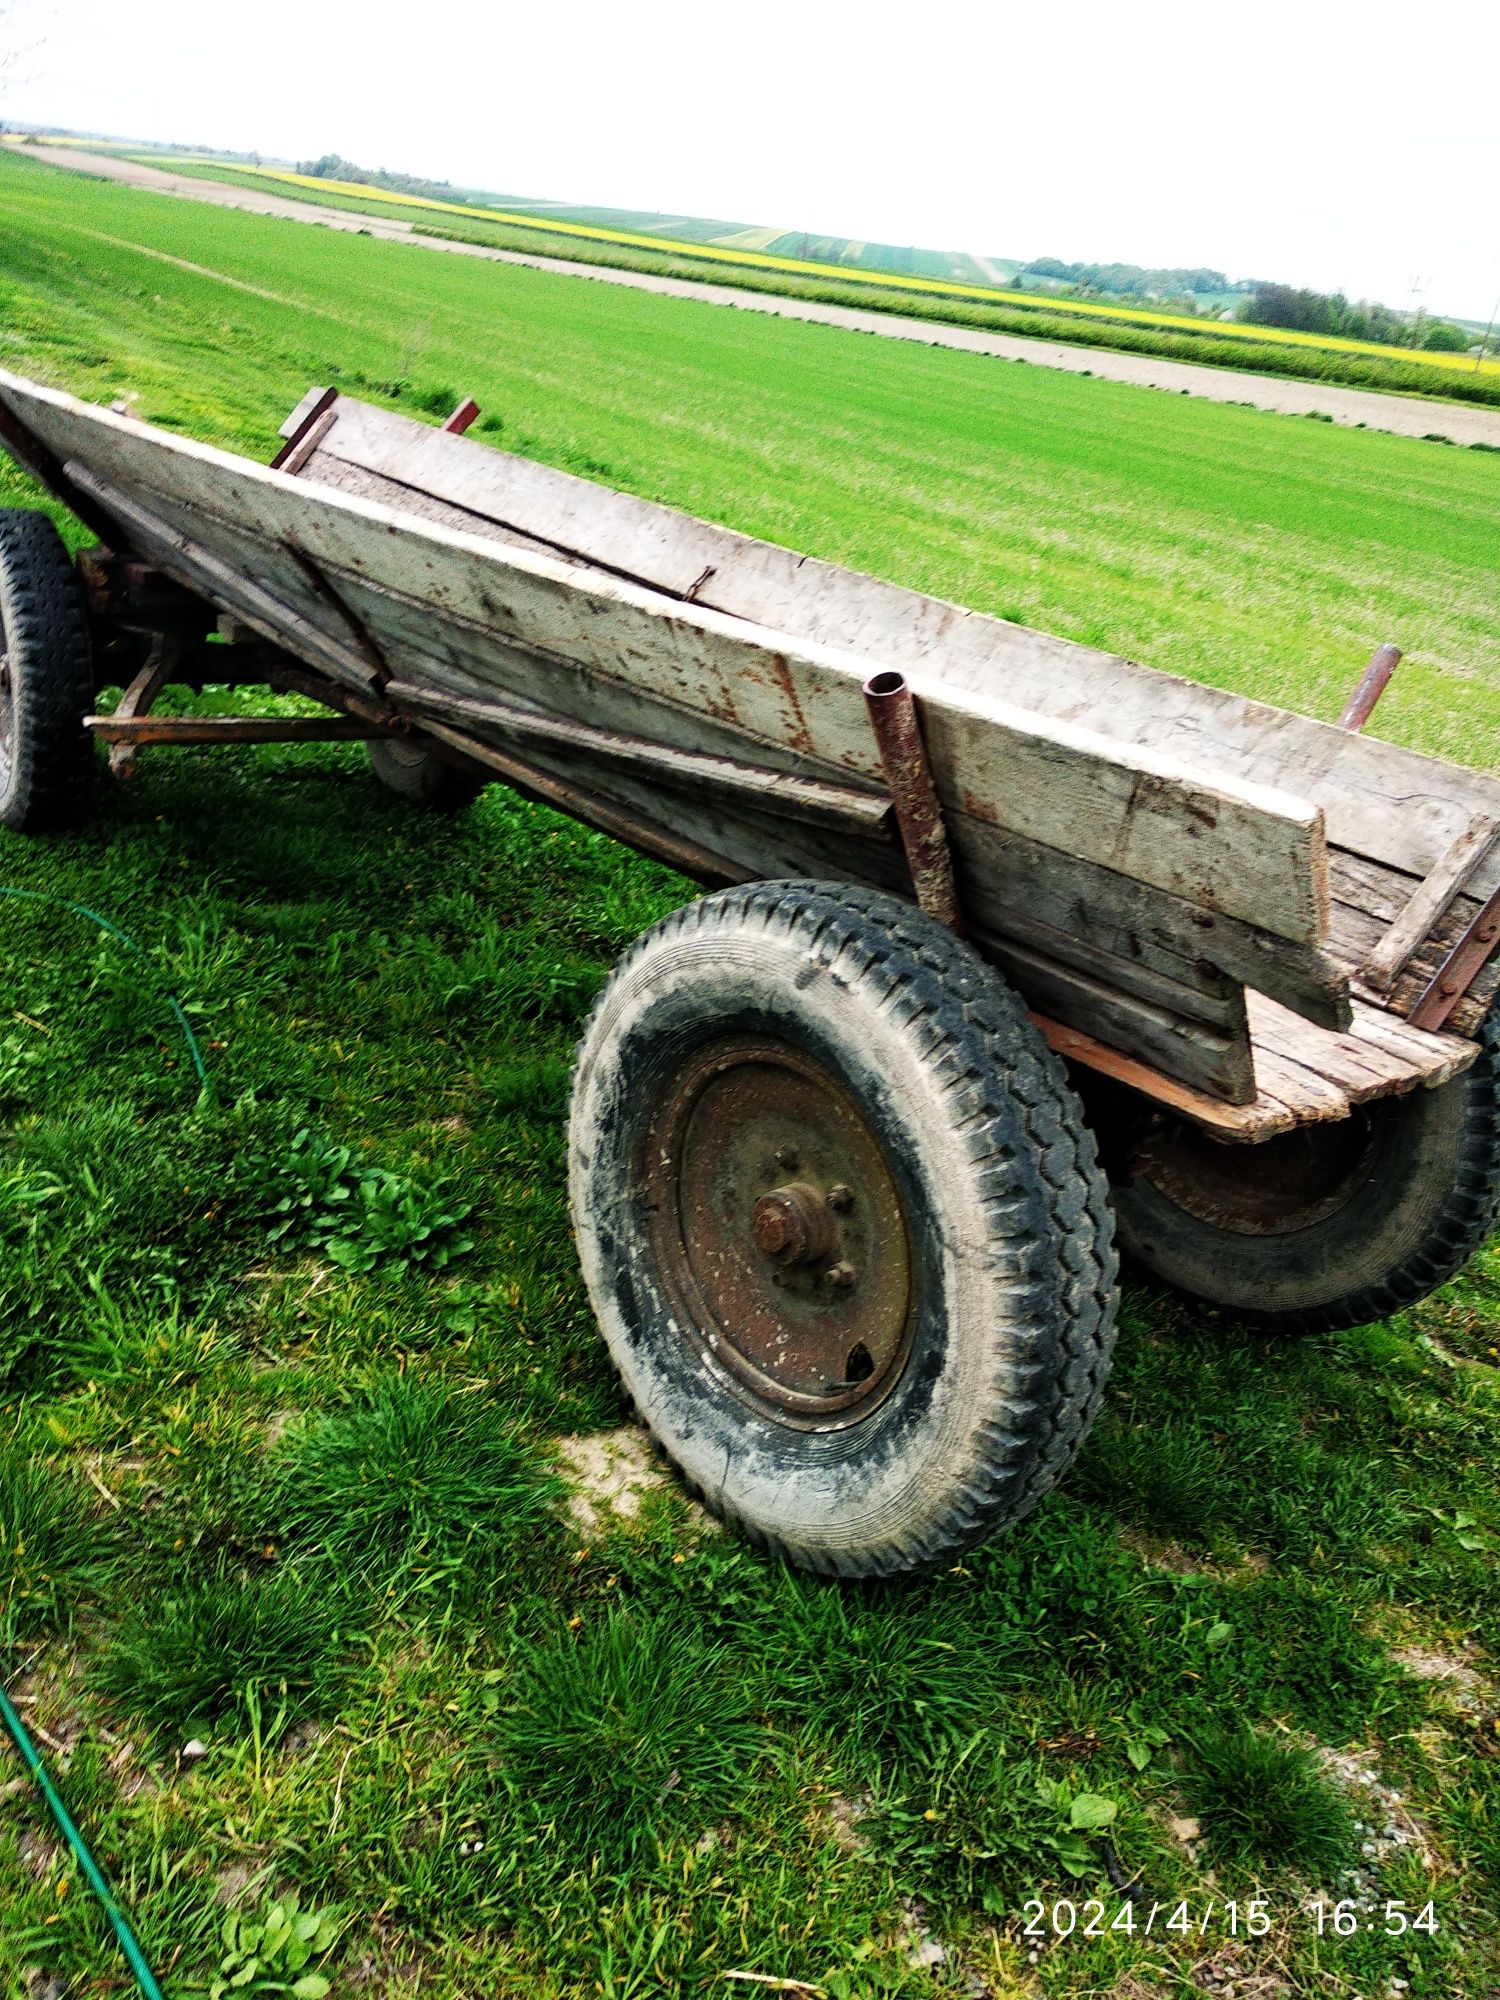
{"type": "Point", "coordinates": [1207, 344]}
{"type": "Point", "coordinates": [1267, 1802]}
{"type": "Point", "coordinates": [297, 1500]}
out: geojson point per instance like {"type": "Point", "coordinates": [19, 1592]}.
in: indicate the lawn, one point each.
{"type": "Point", "coordinates": [296, 1375]}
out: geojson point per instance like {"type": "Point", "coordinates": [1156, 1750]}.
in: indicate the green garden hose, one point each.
{"type": "Point", "coordinates": [135, 1958]}
{"type": "Point", "coordinates": [114, 931]}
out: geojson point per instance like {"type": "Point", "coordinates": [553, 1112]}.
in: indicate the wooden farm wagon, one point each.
{"type": "Point", "coordinates": [1015, 945]}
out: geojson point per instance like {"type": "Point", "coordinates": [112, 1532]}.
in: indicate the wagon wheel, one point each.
{"type": "Point", "coordinates": [420, 775]}
{"type": "Point", "coordinates": [842, 1226]}
{"type": "Point", "coordinates": [1330, 1226]}
{"type": "Point", "coordinates": [46, 679]}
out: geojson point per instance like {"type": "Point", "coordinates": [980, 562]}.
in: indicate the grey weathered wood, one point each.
{"type": "Point", "coordinates": [1214, 1059]}
{"type": "Point", "coordinates": [1249, 851]}
{"type": "Point", "coordinates": [776, 790]}
{"type": "Point", "coordinates": [1428, 903]}
{"type": "Point", "coordinates": [1360, 1068]}
{"type": "Point", "coordinates": [304, 447]}
{"type": "Point", "coordinates": [1438, 1057]}
{"type": "Point", "coordinates": [1115, 888]}
{"type": "Point", "coordinates": [407, 631]}
{"type": "Point", "coordinates": [1367, 900]}
{"type": "Point", "coordinates": [1393, 805]}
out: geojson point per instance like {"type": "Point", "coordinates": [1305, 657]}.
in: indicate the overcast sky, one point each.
{"type": "Point", "coordinates": [1323, 143]}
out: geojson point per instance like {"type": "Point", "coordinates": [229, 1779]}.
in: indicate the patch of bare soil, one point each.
{"type": "Point", "coordinates": [1172, 1556]}
{"type": "Point", "coordinates": [610, 1473]}
{"type": "Point", "coordinates": [1388, 1829]}
{"type": "Point", "coordinates": [1458, 1674]}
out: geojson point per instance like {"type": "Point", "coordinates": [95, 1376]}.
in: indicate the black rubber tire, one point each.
{"type": "Point", "coordinates": [422, 777]}
{"type": "Point", "coordinates": [46, 682]}
{"type": "Point", "coordinates": [1006, 1211]}
{"type": "Point", "coordinates": [1420, 1202]}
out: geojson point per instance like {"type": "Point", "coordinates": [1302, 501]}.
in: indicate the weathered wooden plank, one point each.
{"type": "Point", "coordinates": [295, 454]}
{"type": "Point", "coordinates": [1438, 1057]}
{"type": "Point", "coordinates": [1428, 903]}
{"type": "Point", "coordinates": [325, 469]}
{"type": "Point", "coordinates": [1237, 1124]}
{"type": "Point", "coordinates": [763, 848]}
{"type": "Point", "coordinates": [778, 791]}
{"type": "Point", "coordinates": [1213, 1059]}
{"type": "Point", "coordinates": [1248, 851]}
{"type": "Point", "coordinates": [1359, 1068]}
{"type": "Point", "coordinates": [1311, 1097]}
{"type": "Point", "coordinates": [649, 836]}
{"type": "Point", "coordinates": [1394, 805]}
{"type": "Point", "coordinates": [286, 616]}
{"type": "Point", "coordinates": [312, 405]}
{"type": "Point", "coordinates": [1367, 900]}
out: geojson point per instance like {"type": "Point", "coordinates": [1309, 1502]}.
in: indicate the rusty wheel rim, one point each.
{"type": "Point", "coordinates": [778, 1233]}
{"type": "Point", "coordinates": [1288, 1183]}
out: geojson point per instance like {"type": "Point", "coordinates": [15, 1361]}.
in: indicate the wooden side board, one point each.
{"type": "Point", "coordinates": [1250, 852]}
{"type": "Point", "coordinates": [1387, 804]}
{"type": "Point", "coordinates": [1131, 899]}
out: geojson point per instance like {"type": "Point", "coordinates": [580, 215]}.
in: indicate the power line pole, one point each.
{"type": "Point", "coordinates": [1479, 357]}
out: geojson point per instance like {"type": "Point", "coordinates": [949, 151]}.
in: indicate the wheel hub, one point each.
{"type": "Point", "coordinates": [779, 1233]}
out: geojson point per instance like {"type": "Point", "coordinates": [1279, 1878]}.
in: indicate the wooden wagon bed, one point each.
{"type": "Point", "coordinates": [1228, 907]}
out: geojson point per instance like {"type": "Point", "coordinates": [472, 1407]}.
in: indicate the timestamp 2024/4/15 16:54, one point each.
{"type": "Point", "coordinates": [1093, 1918]}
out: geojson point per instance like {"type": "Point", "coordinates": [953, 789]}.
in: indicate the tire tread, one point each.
{"type": "Point", "coordinates": [46, 635]}
{"type": "Point", "coordinates": [973, 1032]}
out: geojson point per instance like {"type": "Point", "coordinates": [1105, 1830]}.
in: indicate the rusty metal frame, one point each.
{"type": "Point", "coordinates": [919, 813]}
{"type": "Point", "coordinates": [462, 417]}
{"type": "Point", "coordinates": [1459, 969]}
{"type": "Point", "coordinates": [127, 733]}
{"type": "Point", "coordinates": [162, 663]}
{"type": "Point", "coordinates": [1370, 686]}
{"type": "Point", "coordinates": [315, 405]}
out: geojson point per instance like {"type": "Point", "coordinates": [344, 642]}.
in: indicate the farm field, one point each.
{"type": "Point", "coordinates": [686, 250]}
{"type": "Point", "coordinates": [292, 1374]}
{"type": "Point", "coordinates": [776, 255]}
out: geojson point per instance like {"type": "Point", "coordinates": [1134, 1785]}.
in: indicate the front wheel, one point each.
{"type": "Point", "coordinates": [46, 678]}
{"type": "Point", "coordinates": [1332, 1225]}
{"type": "Point", "coordinates": [842, 1225]}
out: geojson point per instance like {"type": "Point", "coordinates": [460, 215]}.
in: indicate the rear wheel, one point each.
{"type": "Point", "coordinates": [842, 1225]}
{"type": "Point", "coordinates": [419, 775]}
{"type": "Point", "coordinates": [46, 679]}
{"type": "Point", "coordinates": [1329, 1226]}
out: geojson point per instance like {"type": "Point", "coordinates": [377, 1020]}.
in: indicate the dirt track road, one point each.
{"type": "Point", "coordinates": [1407, 416]}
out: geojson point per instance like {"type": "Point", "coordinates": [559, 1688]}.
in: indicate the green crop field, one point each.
{"type": "Point", "coordinates": [289, 1369]}
{"type": "Point", "coordinates": [950, 288]}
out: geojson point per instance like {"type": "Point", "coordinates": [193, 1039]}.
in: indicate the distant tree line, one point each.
{"type": "Point", "coordinates": [1362, 319]}
{"type": "Point", "coordinates": [1137, 279]}
{"type": "Point", "coordinates": [334, 167]}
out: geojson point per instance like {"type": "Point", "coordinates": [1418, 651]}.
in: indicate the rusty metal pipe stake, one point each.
{"type": "Point", "coordinates": [1372, 685]}
{"type": "Point", "coordinates": [462, 417]}
{"type": "Point", "coordinates": [919, 815]}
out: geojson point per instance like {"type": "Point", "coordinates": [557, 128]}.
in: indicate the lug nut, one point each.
{"type": "Point", "coordinates": [841, 1199]}
{"type": "Point", "coordinates": [842, 1276]}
